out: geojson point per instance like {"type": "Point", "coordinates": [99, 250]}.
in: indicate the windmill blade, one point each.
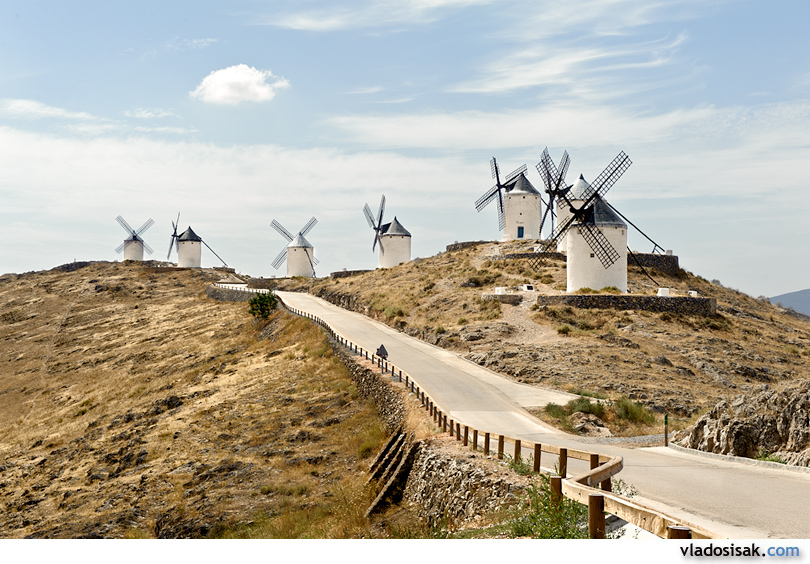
{"type": "Point", "coordinates": [312, 264]}
{"type": "Point", "coordinates": [547, 170]}
{"type": "Point", "coordinates": [120, 247]}
{"type": "Point", "coordinates": [609, 176]}
{"type": "Point", "coordinates": [493, 166]}
{"type": "Point", "coordinates": [146, 247]}
{"type": "Point", "coordinates": [514, 174]}
{"type": "Point", "coordinates": [380, 211]}
{"type": "Point", "coordinates": [280, 228]}
{"type": "Point", "coordinates": [149, 223]}
{"type": "Point", "coordinates": [315, 261]}
{"type": "Point", "coordinates": [564, 162]}
{"type": "Point", "coordinates": [369, 216]}
{"type": "Point", "coordinates": [280, 258]}
{"type": "Point", "coordinates": [599, 244]}
{"type": "Point", "coordinates": [124, 224]}
{"type": "Point", "coordinates": [488, 196]}
{"type": "Point", "coordinates": [501, 215]}
{"type": "Point", "coordinates": [545, 214]}
{"type": "Point", "coordinates": [215, 254]}
{"type": "Point", "coordinates": [378, 238]}
{"type": "Point", "coordinates": [558, 234]}
{"type": "Point", "coordinates": [308, 227]}
{"type": "Point", "coordinates": [171, 244]}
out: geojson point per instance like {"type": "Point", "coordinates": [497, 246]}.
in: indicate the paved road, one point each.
{"type": "Point", "coordinates": [733, 499]}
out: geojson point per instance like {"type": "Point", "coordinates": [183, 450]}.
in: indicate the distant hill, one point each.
{"type": "Point", "coordinates": [799, 301]}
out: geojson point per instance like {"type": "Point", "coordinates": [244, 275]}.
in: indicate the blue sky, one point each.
{"type": "Point", "coordinates": [238, 113]}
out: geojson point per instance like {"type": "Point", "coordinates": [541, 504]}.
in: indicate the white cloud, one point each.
{"type": "Point", "coordinates": [374, 13]}
{"type": "Point", "coordinates": [31, 109]}
{"type": "Point", "coordinates": [237, 84]}
{"type": "Point", "coordinates": [149, 113]}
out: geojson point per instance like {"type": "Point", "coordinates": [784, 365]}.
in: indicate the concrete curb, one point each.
{"type": "Point", "coordinates": [742, 460]}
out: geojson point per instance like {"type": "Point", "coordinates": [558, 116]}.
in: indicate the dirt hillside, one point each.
{"type": "Point", "coordinates": [133, 406]}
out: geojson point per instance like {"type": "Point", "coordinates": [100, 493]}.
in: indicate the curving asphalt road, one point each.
{"type": "Point", "coordinates": [733, 499]}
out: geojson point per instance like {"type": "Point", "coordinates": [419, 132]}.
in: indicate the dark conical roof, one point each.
{"type": "Point", "coordinates": [604, 215]}
{"type": "Point", "coordinates": [394, 228]}
{"type": "Point", "coordinates": [189, 235]}
{"type": "Point", "coordinates": [521, 185]}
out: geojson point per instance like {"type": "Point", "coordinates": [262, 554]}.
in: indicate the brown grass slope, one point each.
{"type": "Point", "coordinates": [670, 363]}
{"type": "Point", "coordinates": [133, 406]}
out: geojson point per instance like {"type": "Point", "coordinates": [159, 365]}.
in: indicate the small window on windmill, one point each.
{"type": "Point", "coordinates": [592, 255]}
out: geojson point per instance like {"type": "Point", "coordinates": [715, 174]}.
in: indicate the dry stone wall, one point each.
{"type": "Point", "coordinates": [683, 305]}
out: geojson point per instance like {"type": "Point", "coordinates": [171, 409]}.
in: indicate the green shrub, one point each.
{"type": "Point", "coordinates": [391, 312]}
{"type": "Point", "coordinates": [261, 305]}
{"type": "Point", "coordinates": [632, 411]}
{"type": "Point", "coordinates": [548, 518]}
{"type": "Point", "coordinates": [584, 405]}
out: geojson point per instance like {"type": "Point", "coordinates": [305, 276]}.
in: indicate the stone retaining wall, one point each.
{"type": "Point", "coordinates": [465, 245]}
{"type": "Point", "coordinates": [684, 305]}
{"type": "Point", "coordinates": [346, 273]}
{"type": "Point", "coordinates": [227, 294]}
{"type": "Point", "coordinates": [663, 263]}
{"type": "Point", "coordinates": [263, 283]}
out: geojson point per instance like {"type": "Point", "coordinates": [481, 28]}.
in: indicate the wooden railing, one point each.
{"type": "Point", "coordinates": [591, 488]}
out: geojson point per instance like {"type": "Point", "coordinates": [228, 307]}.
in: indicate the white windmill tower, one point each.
{"type": "Point", "coordinates": [518, 202]}
{"type": "Point", "coordinates": [133, 246]}
{"type": "Point", "coordinates": [394, 239]}
{"type": "Point", "coordinates": [595, 237]}
{"type": "Point", "coordinates": [299, 252]}
{"type": "Point", "coordinates": [189, 247]}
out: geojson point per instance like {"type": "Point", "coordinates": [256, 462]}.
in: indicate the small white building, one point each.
{"type": "Point", "coordinates": [300, 257]}
{"type": "Point", "coordinates": [133, 249]}
{"type": "Point", "coordinates": [395, 244]}
{"type": "Point", "coordinates": [189, 249]}
{"type": "Point", "coordinates": [521, 210]}
{"type": "Point", "coordinates": [583, 266]}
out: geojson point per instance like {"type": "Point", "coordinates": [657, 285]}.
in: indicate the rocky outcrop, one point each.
{"type": "Point", "coordinates": [776, 424]}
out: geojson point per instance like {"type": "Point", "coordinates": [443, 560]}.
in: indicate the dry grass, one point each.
{"type": "Point", "coordinates": [133, 405]}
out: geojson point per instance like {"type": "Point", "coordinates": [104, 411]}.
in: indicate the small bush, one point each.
{"type": "Point", "coordinates": [439, 330]}
{"type": "Point", "coordinates": [564, 329]}
{"type": "Point", "coordinates": [584, 405]}
{"type": "Point", "coordinates": [462, 321]}
{"type": "Point", "coordinates": [390, 312]}
{"type": "Point", "coordinates": [261, 305]}
{"type": "Point", "coordinates": [632, 411]}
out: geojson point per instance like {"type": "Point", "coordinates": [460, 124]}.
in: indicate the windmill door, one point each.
{"type": "Point", "coordinates": [520, 233]}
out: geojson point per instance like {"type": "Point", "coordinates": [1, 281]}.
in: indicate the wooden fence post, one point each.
{"type": "Point", "coordinates": [556, 489]}
{"type": "Point", "coordinates": [486, 444]}
{"type": "Point", "coordinates": [517, 451]}
{"type": "Point", "coordinates": [563, 462]}
{"type": "Point", "coordinates": [458, 431]}
{"type": "Point", "coordinates": [475, 439]}
{"type": "Point", "coordinates": [596, 516]}
{"type": "Point", "coordinates": [538, 450]}
{"type": "Point", "coordinates": [466, 435]}
{"type": "Point", "coordinates": [500, 447]}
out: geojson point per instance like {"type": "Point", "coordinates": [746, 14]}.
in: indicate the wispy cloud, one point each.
{"type": "Point", "coordinates": [240, 83]}
{"type": "Point", "coordinates": [31, 109]}
{"type": "Point", "coordinates": [149, 113]}
{"type": "Point", "coordinates": [368, 14]}
{"type": "Point", "coordinates": [176, 44]}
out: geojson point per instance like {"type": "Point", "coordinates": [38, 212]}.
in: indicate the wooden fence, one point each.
{"type": "Point", "coordinates": [591, 488]}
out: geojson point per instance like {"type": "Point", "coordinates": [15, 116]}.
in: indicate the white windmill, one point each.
{"type": "Point", "coordinates": [594, 235]}
{"type": "Point", "coordinates": [394, 239]}
{"type": "Point", "coordinates": [518, 202]}
{"type": "Point", "coordinates": [133, 246]}
{"type": "Point", "coordinates": [299, 252]}
{"type": "Point", "coordinates": [189, 247]}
